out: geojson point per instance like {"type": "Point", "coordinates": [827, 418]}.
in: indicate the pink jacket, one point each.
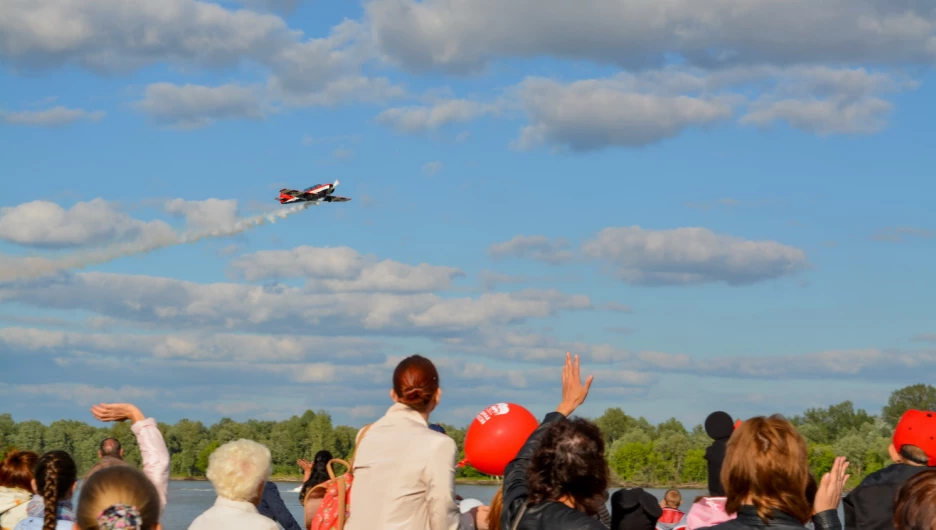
{"type": "Point", "coordinates": [155, 456]}
{"type": "Point", "coordinates": [709, 511]}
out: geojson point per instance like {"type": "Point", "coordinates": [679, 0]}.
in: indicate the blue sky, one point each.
{"type": "Point", "coordinates": [717, 208]}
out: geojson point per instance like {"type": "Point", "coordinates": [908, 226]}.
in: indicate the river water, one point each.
{"type": "Point", "coordinates": [188, 499]}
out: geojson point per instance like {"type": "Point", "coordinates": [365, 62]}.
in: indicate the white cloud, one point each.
{"type": "Point", "coordinates": [823, 117]}
{"type": "Point", "coordinates": [193, 106]}
{"type": "Point", "coordinates": [431, 168]}
{"type": "Point", "coordinates": [278, 6]}
{"type": "Point", "coordinates": [691, 256]}
{"type": "Point", "coordinates": [421, 119]}
{"type": "Point", "coordinates": [104, 35]}
{"type": "Point", "coordinates": [465, 35]}
{"type": "Point", "coordinates": [594, 114]}
{"type": "Point", "coordinates": [82, 394]}
{"type": "Point", "coordinates": [233, 347]}
{"type": "Point", "coordinates": [539, 248]}
{"type": "Point", "coordinates": [208, 214]}
{"type": "Point", "coordinates": [44, 223]}
{"type": "Point", "coordinates": [49, 117]}
{"type": "Point", "coordinates": [343, 269]}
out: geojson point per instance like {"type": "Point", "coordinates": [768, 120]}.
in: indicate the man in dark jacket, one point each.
{"type": "Point", "coordinates": [719, 427]}
{"type": "Point", "coordinates": [272, 506]}
{"type": "Point", "coordinates": [870, 506]}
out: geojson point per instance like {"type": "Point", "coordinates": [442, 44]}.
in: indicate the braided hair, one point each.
{"type": "Point", "coordinates": [56, 474]}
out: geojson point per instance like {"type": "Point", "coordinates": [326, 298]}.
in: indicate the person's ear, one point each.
{"type": "Point", "coordinates": [393, 396]}
{"type": "Point", "coordinates": [894, 454]}
{"type": "Point", "coordinates": [34, 487]}
{"type": "Point", "coordinates": [157, 526]}
{"type": "Point", "coordinates": [121, 452]}
{"type": "Point", "coordinates": [76, 527]}
{"type": "Point", "coordinates": [100, 454]}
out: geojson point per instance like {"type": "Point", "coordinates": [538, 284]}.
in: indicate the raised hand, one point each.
{"type": "Point", "coordinates": [574, 391]}
{"type": "Point", "coordinates": [829, 494]}
{"type": "Point", "coordinates": [306, 468]}
{"type": "Point", "coordinates": [117, 412]}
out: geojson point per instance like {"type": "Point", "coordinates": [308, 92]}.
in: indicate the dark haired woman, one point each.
{"type": "Point", "coordinates": [403, 470]}
{"type": "Point", "coordinates": [559, 478]}
{"type": "Point", "coordinates": [16, 475]}
{"type": "Point", "coordinates": [314, 474]}
{"type": "Point", "coordinates": [51, 509]}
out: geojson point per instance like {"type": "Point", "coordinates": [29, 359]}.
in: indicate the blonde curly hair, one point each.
{"type": "Point", "coordinates": [237, 470]}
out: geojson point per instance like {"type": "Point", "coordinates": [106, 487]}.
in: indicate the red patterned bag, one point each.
{"type": "Point", "coordinates": [336, 496]}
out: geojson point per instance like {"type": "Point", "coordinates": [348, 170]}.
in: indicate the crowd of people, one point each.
{"type": "Point", "coordinates": [402, 475]}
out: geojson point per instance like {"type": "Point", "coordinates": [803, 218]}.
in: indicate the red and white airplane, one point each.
{"type": "Point", "coordinates": [317, 193]}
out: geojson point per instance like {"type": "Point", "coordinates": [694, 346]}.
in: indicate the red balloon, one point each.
{"type": "Point", "coordinates": [496, 435]}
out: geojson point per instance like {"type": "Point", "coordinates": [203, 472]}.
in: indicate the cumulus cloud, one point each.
{"type": "Point", "coordinates": [278, 6]}
{"type": "Point", "coordinates": [162, 302]}
{"type": "Point", "coordinates": [208, 214]}
{"type": "Point", "coordinates": [343, 269]}
{"type": "Point", "coordinates": [103, 35]}
{"type": "Point", "coordinates": [594, 114]}
{"type": "Point", "coordinates": [691, 256]}
{"type": "Point", "coordinates": [195, 346]}
{"type": "Point", "coordinates": [53, 117]}
{"type": "Point", "coordinates": [823, 117]}
{"type": "Point", "coordinates": [538, 248]}
{"type": "Point", "coordinates": [463, 36]}
{"type": "Point", "coordinates": [194, 106]}
{"type": "Point", "coordinates": [46, 224]}
{"type": "Point", "coordinates": [419, 119]}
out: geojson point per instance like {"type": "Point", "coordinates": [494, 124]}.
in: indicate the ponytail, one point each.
{"type": "Point", "coordinates": [56, 473]}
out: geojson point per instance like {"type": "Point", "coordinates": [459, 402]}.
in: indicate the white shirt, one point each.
{"type": "Point", "coordinates": [233, 515]}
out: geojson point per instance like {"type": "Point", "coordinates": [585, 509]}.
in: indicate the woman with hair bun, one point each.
{"type": "Point", "coordinates": [404, 472]}
{"type": "Point", "coordinates": [118, 497]}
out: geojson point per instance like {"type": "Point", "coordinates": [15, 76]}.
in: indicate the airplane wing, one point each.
{"type": "Point", "coordinates": [335, 198]}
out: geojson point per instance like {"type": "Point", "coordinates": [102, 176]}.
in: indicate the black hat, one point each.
{"type": "Point", "coordinates": [719, 425]}
{"type": "Point", "coordinates": [634, 509]}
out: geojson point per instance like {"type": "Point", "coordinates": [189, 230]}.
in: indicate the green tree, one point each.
{"type": "Point", "coordinates": [695, 467]}
{"type": "Point", "coordinates": [204, 455]}
{"type": "Point", "coordinates": [919, 397]}
{"type": "Point", "coordinates": [614, 423]}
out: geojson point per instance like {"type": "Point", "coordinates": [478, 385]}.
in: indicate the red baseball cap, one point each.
{"type": "Point", "coordinates": [917, 428]}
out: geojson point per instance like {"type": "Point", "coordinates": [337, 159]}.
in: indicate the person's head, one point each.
{"type": "Point", "coordinates": [765, 466]}
{"type": "Point", "coordinates": [118, 497]}
{"type": "Point", "coordinates": [914, 508]}
{"type": "Point", "coordinates": [239, 470]}
{"type": "Point", "coordinates": [634, 509]}
{"type": "Point", "coordinates": [719, 425]}
{"type": "Point", "coordinates": [16, 469]}
{"type": "Point", "coordinates": [672, 499]}
{"type": "Point", "coordinates": [496, 507]}
{"type": "Point", "coordinates": [416, 384]}
{"type": "Point", "coordinates": [569, 465]}
{"type": "Point", "coordinates": [110, 447]}
{"type": "Point", "coordinates": [55, 479]}
{"type": "Point", "coordinates": [913, 442]}
{"type": "Point", "coordinates": [320, 467]}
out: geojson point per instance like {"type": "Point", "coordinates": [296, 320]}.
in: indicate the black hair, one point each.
{"type": "Point", "coordinates": [56, 474]}
{"type": "Point", "coordinates": [570, 461]}
{"type": "Point", "coordinates": [320, 467]}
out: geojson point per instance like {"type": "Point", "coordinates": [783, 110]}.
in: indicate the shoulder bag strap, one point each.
{"type": "Point", "coordinates": [516, 523]}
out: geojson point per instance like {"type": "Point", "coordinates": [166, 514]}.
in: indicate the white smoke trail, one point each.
{"type": "Point", "coordinates": [14, 269]}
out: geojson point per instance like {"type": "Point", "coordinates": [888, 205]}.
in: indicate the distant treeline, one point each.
{"type": "Point", "coordinates": [638, 452]}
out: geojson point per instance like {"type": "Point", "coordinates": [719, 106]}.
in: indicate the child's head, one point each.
{"type": "Point", "coordinates": [118, 497]}
{"type": "Point", "coordinates": [672, 499]}
{"type": "Point", "coordinates": [55, 478]}
{"type": "Point", "coordinates": [914, 440]}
